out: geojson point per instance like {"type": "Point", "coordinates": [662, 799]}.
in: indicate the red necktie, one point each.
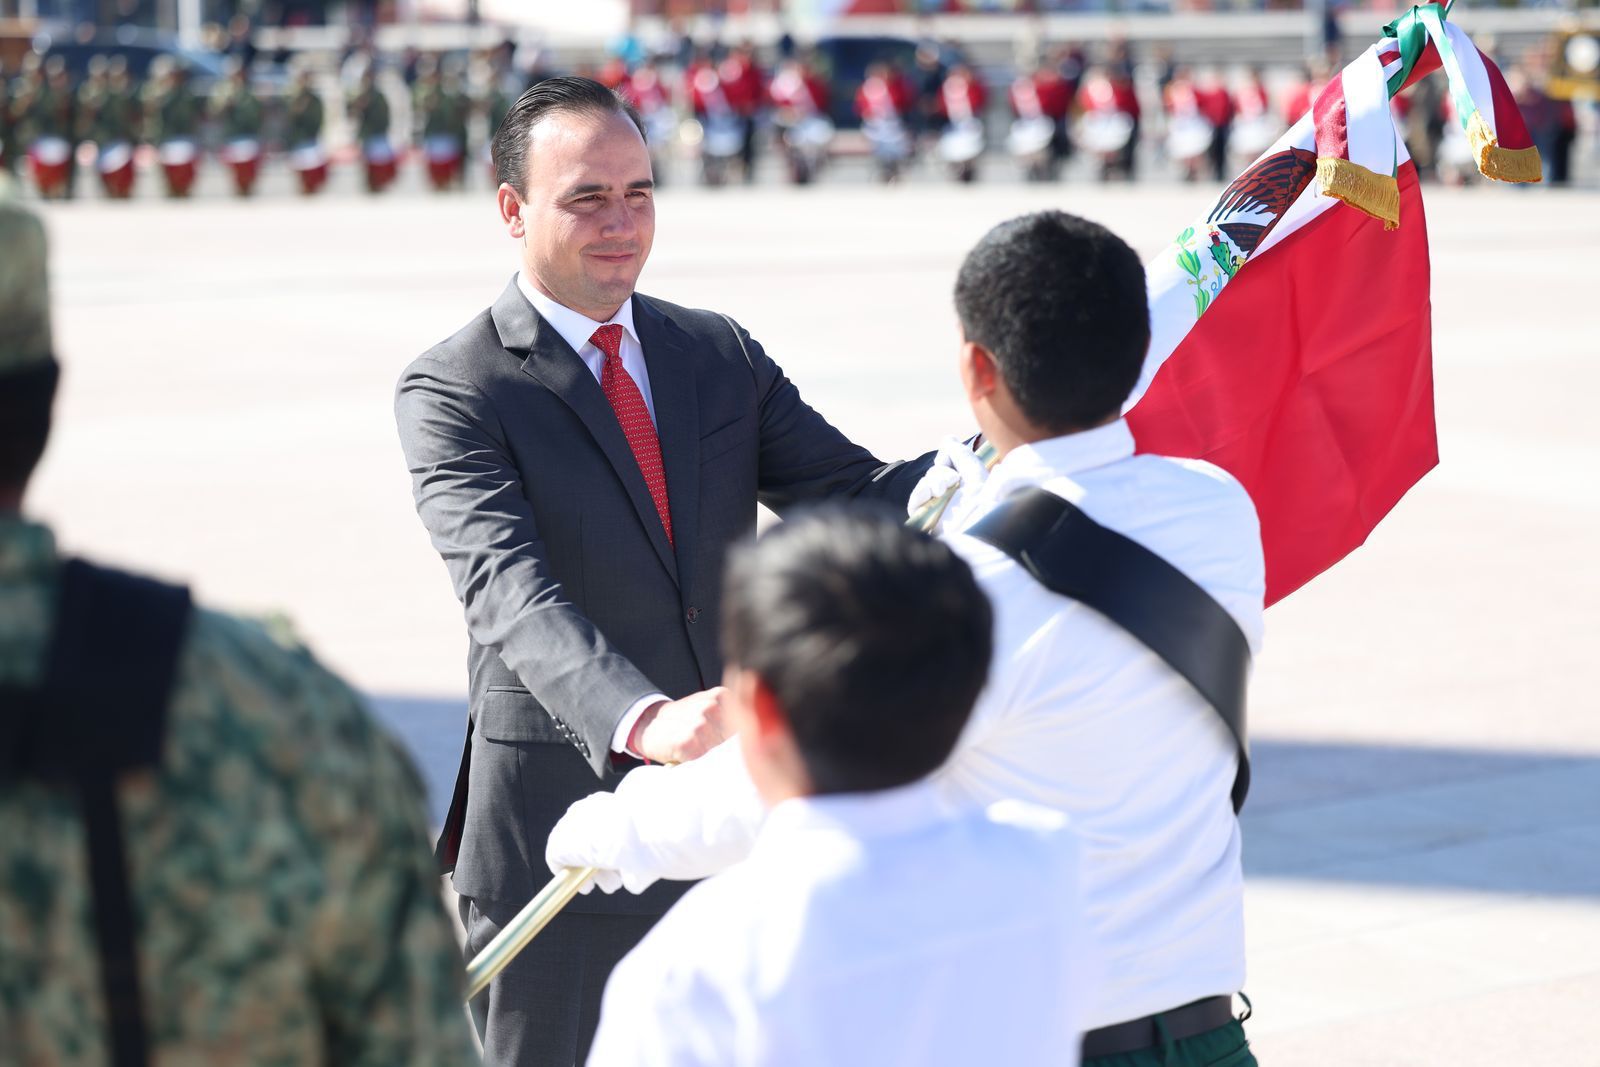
{"type": "Point", "coordinates": [628, 403]}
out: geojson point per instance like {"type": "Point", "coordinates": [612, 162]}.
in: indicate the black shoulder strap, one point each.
{"type": "Point", "coordinates": [100, 711]}
{"type": "Point", "coordinates": [1069, 553]}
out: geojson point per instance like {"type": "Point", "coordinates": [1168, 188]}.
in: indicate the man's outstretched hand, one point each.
{"type": "Point", "coordinates": [677, 731]}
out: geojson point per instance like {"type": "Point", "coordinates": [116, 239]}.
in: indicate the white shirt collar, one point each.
{"type": "Point", "coordinates": [1068, 454]}
{"type": "Point", "coordinates": [574, 327]}
{"type": "Point", "coordinates": [859, 815]}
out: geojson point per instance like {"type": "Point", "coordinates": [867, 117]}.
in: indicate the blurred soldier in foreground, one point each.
{"type": "Point", "coordinates": [302, 134]}
{"type": "Point", "coordinates": [855, 649]}
{"type": "Point", "coordinates": [209, 854]}
{"type": "Point", "coordinates": [173, 114]}
{"type": "Point", "coordinates": [238, 112]}
{"type": "Point", "coordinates": [369, 113]}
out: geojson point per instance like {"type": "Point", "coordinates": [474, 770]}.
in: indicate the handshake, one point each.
{"type": "Point", "coordinates": [677, 731]}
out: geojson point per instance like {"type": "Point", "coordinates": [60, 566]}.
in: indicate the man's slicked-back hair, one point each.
{"type": "Point", "coordinates": [874, 638]}
{"type": "Point", "coordinates": [1060, 302]}
{"type": "Point", "coordinates": [553, 95]}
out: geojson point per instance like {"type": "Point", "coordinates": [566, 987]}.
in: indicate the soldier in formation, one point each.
{"type": "Point", "coordinates": [238, 113]}
{"type": "Point", "coordinates": [172, 123]}
{"type": "Point", "coordinates": [109, 116]}
{"type": "Point", "coordinates": [302, 136]}
{"type": "Point", "coordinates": [368, 109]}
{"type": "Point", "coordinates": [43, 112]}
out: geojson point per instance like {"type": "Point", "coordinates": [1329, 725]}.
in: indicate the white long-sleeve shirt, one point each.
{"type": "Point", "coordinates": [866, 930]}
{"type": "Point", "coordinates": [1078, 716]}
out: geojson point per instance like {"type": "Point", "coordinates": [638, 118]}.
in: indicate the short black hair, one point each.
{"type": "Point", "coordinates": [571, 94]}
{"type": "Point", "coordinates": [875, 640]}
{"type": "Point", "coordinates": [1060, 302]}
{"type": "Point", "coordinates": [26, 397]}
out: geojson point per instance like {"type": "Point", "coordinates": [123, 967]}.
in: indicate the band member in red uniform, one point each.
{"type": "Point", "coordinates": [884, 103]}
{"type": "Point", "coordinates": [1110, 126]}
{"type": "Point", "coordinates": [1255, 126]}
{"type": "Point", "coordinates": [721, 132]}
{"type": "Point", "coordinates": [1216, 104]}
{"type": "Point", "coordinates": [746, 90]}
{"type": "Point", "coordinates": [800, 101]}
{"type": "Point", "coordinates": [1189, 130]}
{"type": "Point", "coordinates": [1039, 98]}
{"type": "Point", "coordinates": [647, 91]}
{"type": "Point", "coordinates": [961, 101]}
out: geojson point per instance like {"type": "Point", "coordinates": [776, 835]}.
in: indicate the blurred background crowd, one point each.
{"type": "Point", "coordinates": [118, 98]}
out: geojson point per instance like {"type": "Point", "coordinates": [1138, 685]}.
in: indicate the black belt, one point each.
{"type": "Point", "coordinates": [1136, 1034]}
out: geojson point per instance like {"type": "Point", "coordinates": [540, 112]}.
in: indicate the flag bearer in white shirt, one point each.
{"type": "Point", "coordinates": [872, 923]}
{"type": "Point", "coordinates": [1078, 714]}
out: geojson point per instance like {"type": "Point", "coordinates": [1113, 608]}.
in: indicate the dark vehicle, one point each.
{"type": "Point", "coordinates": [843, 63]}
{"type": "Point", "coordinates": [140, 47]}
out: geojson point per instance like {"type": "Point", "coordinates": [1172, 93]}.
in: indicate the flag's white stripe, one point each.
{"type": "Point", "coordinates": [1472, 71]}
{"type": "Point", "coordinates": [1369, 123]}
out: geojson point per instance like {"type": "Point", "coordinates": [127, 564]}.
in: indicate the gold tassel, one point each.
{"type": "Point", "coordinates": [1501, 164]}
{"type": "Point", "coordinates": [1377, 195]}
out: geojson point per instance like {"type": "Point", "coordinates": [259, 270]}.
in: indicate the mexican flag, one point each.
{"type": "Point", "coordinates": [1291, 325]}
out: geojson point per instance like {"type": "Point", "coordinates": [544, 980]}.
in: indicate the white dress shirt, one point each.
{"type": "Point", "coordinates": [1078, 716]}
{"type": "Point", "coordinates": [576, 329]}
{"type": "Point", "coordinates": [1081, 717]}
{"type": "Point", "coordinates": [876, 929]}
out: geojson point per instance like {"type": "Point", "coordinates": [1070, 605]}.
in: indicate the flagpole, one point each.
{"type": "Point", "coordinates": [516, 934]}
{"type": "Point", "coordinates": [559, 891]}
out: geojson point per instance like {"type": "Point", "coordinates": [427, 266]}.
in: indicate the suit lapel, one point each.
{"type": "Point", "coordinates": [670, 362]}
{"type": "Point", "coordinates": [553, 363]}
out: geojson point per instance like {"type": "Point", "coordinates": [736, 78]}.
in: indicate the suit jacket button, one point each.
{"type": "Point", "coordinates": [693, 615]}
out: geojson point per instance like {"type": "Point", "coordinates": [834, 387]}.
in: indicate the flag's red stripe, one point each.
{"type": "Point", "coordinates": [1310, 380]}
{"type": "Point", "coordinates": [1509, 128]}
{"type": "Point", "coordinates": [1427, 63]}
{"type": "Point", "coordinates": [1331, 121]}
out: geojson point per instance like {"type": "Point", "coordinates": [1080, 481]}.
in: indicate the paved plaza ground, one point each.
{"type": "Point", "coordinates": [1423, 839]}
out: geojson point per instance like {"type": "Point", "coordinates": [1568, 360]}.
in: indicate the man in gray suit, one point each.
{"type": "Point", "coordinates": [583, 456]}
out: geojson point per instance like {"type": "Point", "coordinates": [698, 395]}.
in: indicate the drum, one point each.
{"type": "Point", "coordinates": [962, 142]}
{"type": "Point", "coordinates": [1105, 131]}
{"type": "Point", "coordinates": [115, 163]}
{"type": "Point", "coordinates": [1188, 137]}
{"type": "Point", "coordinates": [1029, 137]}
{"type": "Point", "coordinates": [51, 161]}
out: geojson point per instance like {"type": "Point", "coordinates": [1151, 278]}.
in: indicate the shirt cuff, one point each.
{"type": "Point", "coordinates": [619, 738]}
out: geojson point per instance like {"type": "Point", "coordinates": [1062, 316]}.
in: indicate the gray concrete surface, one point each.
{"type": "Point", "coordinates": [1423, 842]}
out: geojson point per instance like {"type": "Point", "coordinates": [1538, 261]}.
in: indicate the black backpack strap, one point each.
{"type": "Point", "coordinates": [101, 711]}
{"type": "Point", "coordinates": [1069, 553]}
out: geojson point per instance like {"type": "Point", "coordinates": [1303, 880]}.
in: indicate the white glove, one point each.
{"type": "Point", "coordinates": [589, 835]}
{"type": "Point", "coordinates": [683, 822]}
{"type": "Point", "coordinates": [954, 464]}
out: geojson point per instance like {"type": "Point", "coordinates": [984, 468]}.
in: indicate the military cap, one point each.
{"type": "Point", "coordinates": [24, 285]}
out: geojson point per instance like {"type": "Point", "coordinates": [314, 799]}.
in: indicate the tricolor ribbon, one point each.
{"type": "Point", "coordinates": [1356, 158]}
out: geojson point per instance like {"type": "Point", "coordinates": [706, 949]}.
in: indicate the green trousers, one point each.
{"type": "Point", "coordinates": [1223, 1047]}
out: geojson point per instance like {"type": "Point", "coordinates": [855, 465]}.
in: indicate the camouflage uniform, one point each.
{"type": "Point", "coordinates": [369, 111]}
{"type": "Point", "coordinates": [171, 109]}
{"type": "Point", "coordinates": [286, 902]}
{"type": "Point", "coordinates": [237, 110]}
{"type": "Point", "coordinates": [303, 117]}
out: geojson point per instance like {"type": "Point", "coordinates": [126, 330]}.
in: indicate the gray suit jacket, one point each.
{"type": "Point", "coordinates": [576, 604]}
